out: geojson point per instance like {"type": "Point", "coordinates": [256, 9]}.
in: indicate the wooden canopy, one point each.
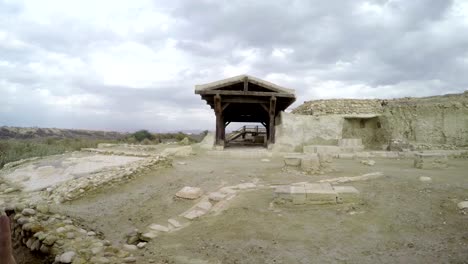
{"type": "Point", "coordinates": [245, 98]}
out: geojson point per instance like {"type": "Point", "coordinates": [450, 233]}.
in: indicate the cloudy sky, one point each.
{"type": "Point", "coordinates": [126, 65]}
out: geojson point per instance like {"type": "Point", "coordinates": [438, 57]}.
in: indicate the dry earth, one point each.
{"type": "Point", "coordinates": [400, 219]}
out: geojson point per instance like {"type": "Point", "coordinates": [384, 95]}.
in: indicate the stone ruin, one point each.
{"type": "Point", "coordinates": [405, 124]}
{"type": "Point", "coordinates": [425, 129]}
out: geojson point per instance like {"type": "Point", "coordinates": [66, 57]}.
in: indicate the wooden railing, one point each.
{"type": "Point", "coordinates": [254, 130]}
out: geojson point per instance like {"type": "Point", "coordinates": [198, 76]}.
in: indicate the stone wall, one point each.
{"type": "Point", "coordinates": [294, 131]}
{"type": "Point", "coordinates": [340, 107]}
{"type": "Point", "coordinates": [433, 120]}
{"type": "Point", "coordinates": [436, 120]}
{"type": "Point", "coordinates": [59, 239]}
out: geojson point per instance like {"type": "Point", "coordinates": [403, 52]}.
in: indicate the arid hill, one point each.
{"type": "Point", "coordinates": [35, 132]}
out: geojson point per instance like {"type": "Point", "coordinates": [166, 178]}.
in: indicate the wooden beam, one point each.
{"type": "Point", "coordinates": [265, 107]}
{"type": "Point", "coordinates": [245, 100]}
{"type": "Point", "coordinates": [247, 93]}
{"type": "Point", "coordinates": [246, 84]}
{"type": "Point", "coordinates": [271, 124]}
{"type": "Point", "coordinates": [219, 119]}
{"type": "Point", "coordinates": [225, 106]}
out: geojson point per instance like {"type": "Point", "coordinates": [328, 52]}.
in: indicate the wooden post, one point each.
{"type": "Point", "coordinates": [219, 120]}
{"type": "Point", "coordinates": [271, 124]}
{"type": "Point", "coordinates": [246, 84]}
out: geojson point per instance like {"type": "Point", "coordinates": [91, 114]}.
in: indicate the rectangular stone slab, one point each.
{"type": "Point", "coordinates": [321, 149]}
{"type": "Point", "coordinates": [430, 160]}
{"type": "Point", "coordinates": [292, 160]}
{"type": "Point", "coordinates": [346, 194]}
{"type": "Point", "coordinates": [320, 193]}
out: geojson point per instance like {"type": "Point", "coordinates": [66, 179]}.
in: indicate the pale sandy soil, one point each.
{"type": "Point", "coordinates": [399, 220]}
{"type": "Point", "coordinates": [53, 170]}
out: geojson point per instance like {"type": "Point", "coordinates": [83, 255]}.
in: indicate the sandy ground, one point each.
{"type": "Point", "coordinates": [399, 220]}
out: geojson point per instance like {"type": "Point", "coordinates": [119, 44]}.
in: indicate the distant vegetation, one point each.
{"type": "Point", "coordinates": [13, 147]}
{"type": "Point", "coordinates": [145, 137]}
{"type": "Point", "coordinates": [16, 149]}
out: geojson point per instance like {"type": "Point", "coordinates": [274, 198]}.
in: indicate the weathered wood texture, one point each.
{"type": "Point", "coordinates": [245, 99]}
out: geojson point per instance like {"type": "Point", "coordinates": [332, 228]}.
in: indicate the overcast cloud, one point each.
{"type": "Point", "coordinates": [126, 65]}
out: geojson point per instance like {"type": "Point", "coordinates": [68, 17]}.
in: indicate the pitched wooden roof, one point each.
{"type": "Point", "coordinates": [268, 86]}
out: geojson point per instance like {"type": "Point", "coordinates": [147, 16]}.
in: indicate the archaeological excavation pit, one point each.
{"type": "Point", "coordinates": [326, 191]}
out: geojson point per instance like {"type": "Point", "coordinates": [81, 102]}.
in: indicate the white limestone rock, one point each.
{"type": "Point", "coordinates": [174, 223]}
{"type": "Point", "coordinates": [292, 160]}
{"type": "Point", "coordinates": [28, 212]}
{"type": "Point", "coordinates": [204, 205]}
{"type": "Point", "coordinates": [247, 185]}
{"type": "Point", "coordinates": [159, 228]}
{"type": "Point", "coordinates": [425, 179]}
{"type": "Point", "coordinates": [463, 205]}
{"type": "Point", "coordinates": [216, 196]}
{"type": "Point", "coordinates": [149, 236]}
{"type": "Point", "coordinates": [194, 214]}
{"type": "Point", "coordinates": [130, 247]}
{"type": "Point", "coordinates": [368, 162]}
{"type": "Point", "coordinates": [141, 245]}
{"type": "Point", "coordinates": [67, 257]}
{"type": "Point", "coordinates": [191, 193]}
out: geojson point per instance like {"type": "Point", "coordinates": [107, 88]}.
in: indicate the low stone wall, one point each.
{"type": "Point", "coordinates": [76, 188]}
{"type": "Point", "coordinates": [295, 131]}
{"type": "Point", "coordinates": [59, 238]}
{"type": "Point", "coordinates": [340, 107]}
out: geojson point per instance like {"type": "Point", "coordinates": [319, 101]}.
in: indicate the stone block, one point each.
{"type": "Point", "coordinates": [174, 223]}
{"type": "Point", "coordinates": [204, 205]}
{"type": "Point", "coordinates": [159, 228]}
{"type": "Point", "coordinates": [346, 156]}
{"type": "Point", "coordinates": [425, 179]}
{"type": "Point", "coordinates": [332, 150]}
{"type": "Point", "coordinates": [149, 235]}
{"type": "Point", "coordinates": [216, 196]}
{"type": "Point", "coordinates": [325, 158]}
{"type": "Point", "coordinates": [244, 186]}
{"type": "Point", "coordinates": [292, 160]}
{"type": "Point", "coordinates": [385, 154]}
{"type": "Point", "coordinates": [350, 142]}
{"type": "Point", "coordinates": [368, 162]}
{"type": "Point", "coordinates": [351, 149]}
{"type": "Point", "coordinates": [430, 160]}
{"type": "Point", "coordinates": [346, 194]}
{"type": "Point", "coordinates": [463, 205]}
{"type": "Point", "coordinates": [218, 147]}
{"type": "Point", "coordinates": [190, 193]}
{"type": "Point", "coordinates": [194, 214]}
{"type": "Point", "coordinates": [310, 162]}
{"type": "Point", "coordinates": [294, 194]}
{"type": "Point", "coordinates": [320, 193]}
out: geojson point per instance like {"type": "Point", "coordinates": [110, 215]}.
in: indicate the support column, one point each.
{"type": "Point", "coordinates": [220, 128]}
{"type": "Point", "coordinates": [271, 124]}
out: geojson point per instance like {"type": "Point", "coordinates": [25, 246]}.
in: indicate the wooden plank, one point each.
{"type": "Point", "coordinates": [246, 84]}
{"type": "Point", "coordinates": [246, 100]}
{"type": "Point", "coordinates": [271, 124]}
{"type": "Point", "coordinates": [246, 93]}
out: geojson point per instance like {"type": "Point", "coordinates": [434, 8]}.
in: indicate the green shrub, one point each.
{"type": "Point", "coordinates": [142, 134]}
